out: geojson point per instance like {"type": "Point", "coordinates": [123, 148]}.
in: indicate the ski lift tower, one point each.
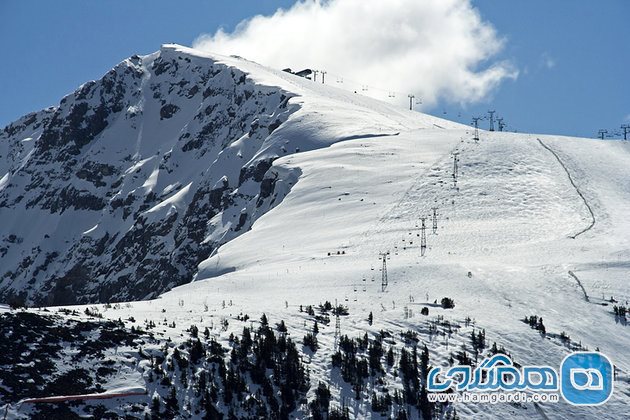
{"type": "Point", "coordinates": [434, 219]}
{"type": "Point", "coordinates": [384, 271]}
{"type": "Point", "coordinates": [423, 237]}
{"type": "Point", "coordinates": [501, 124]}
{"type": "Point", "coordinates": [491, 117]}
{"type": "Point", "coordinates": [476, 124]}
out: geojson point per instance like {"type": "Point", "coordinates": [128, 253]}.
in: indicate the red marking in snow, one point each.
{"type": "Point", "coordinates": [101, 396]}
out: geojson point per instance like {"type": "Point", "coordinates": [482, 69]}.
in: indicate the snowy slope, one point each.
{"type": "Point", "coordinates": [510, 224]}
{"type": "Point", "coordinates": [525, 211]}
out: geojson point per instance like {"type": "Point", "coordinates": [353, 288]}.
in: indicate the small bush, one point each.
{"type": "Point", "coordinates": [447, 303]}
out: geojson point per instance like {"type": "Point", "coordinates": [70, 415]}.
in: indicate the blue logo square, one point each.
{"type": "Point", "coordinates": [586, 378]}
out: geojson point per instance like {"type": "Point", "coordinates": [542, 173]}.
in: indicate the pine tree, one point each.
{"type": "Point", "coordinates": [424, 405]}
{"type": "Point", "coordinates": [172, 405]}
{"type": "Point", "coordinates": [364, 343]}
{"type": "Point", "coordinates": [245, 344]}
{"type": "Point", "coordinates": [424, 363]}
{"type": "Point", "coordinates": [211, 412]}
{"type": "Point", "coordinates": [447, 303]}
{"type": "Point", "coordinates": [201, 381]}
{"type": "Point", "coordinates": [402, 415]}
{"type": "Point", "coordinates": [310, 341]}
{"type": "Point", "coordinates": [196, 351]}
{"type": "Point", "coordinates": [194, 331]}
{"type": "Point", "coordinates": [390, 356]}
{"type": "Point", "coordinates": [155, 407]}
{"type": "Point", "coordinates": [375, 353]}
{"type": "Point", "coordinates": [184, 379]}
{"type": "Point", "coordinates": [481, 340]}
{"type": "Point", "coordinates": [370, 318]}
{"type": "Point", "coordinates": [375, 404]}
{"type": "Point", "coordinates": [282, 327]}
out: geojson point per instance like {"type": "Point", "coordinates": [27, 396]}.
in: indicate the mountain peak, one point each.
{"type": "Point", "coordinates": [125, 168]}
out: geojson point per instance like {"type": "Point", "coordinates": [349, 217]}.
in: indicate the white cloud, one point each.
{"type": "Point", "coordinates": [436, 49]}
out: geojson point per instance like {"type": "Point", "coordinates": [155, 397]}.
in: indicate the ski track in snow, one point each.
{"type": "Point", "coordinates": [590, 210]}
{"type": "Point", "coordinates": [579, 284]}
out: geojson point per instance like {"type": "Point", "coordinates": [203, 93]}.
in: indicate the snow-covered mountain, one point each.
{"type": "Point", "coordinates": [276, 195]}
{"type": "Point", "coordinates": [134, 179]}
{"type": "Point", "coordinates": [120, 191]}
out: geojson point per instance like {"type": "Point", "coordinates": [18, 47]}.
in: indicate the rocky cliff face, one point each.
{"type": "Point", "coordinates": [120, 191]}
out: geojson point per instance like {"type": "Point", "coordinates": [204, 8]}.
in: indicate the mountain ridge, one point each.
{"type": "Point", "coordinates": [160, 162]}
{"type": "Point", "coordinates": [81, 158]}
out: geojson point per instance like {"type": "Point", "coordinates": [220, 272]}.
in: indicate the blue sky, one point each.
{"type": "Point", "coordinates": [573, 57]}
{"type": "Point", "coordinates": [588, 86]}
